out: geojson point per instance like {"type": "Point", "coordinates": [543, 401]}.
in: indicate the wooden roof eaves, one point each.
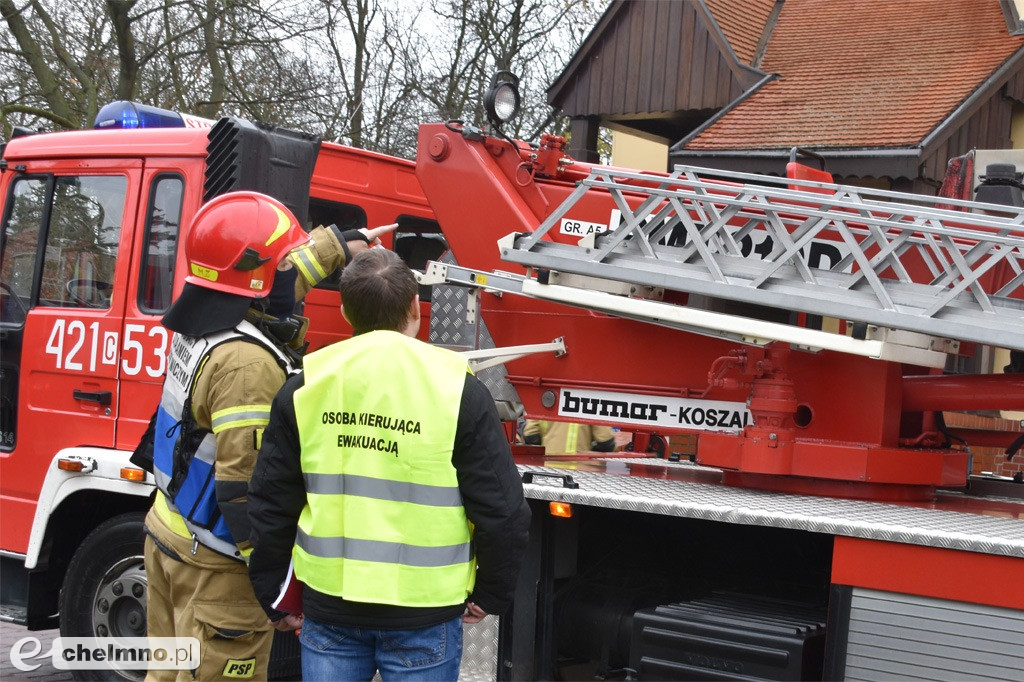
{"type": "Point", "coordinates": [981, 94]}
{"type": "Point", "coordinates": [681, 144]}
{"type": "Point", "coordinates": [867, 162]}
{"type": "Point", "coordinates": [746, 75]}
{"type": "Point", "coordinates": [827, 153]}
{"type": "Point", "coordinates": [565, 78]}
{"type": "Point", "coordinates": [1013, 19]}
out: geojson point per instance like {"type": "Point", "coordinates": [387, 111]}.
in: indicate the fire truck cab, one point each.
{"type": "Point", "coordinates": [92, 223]}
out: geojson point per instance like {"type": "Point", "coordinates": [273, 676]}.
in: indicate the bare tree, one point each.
{"type": "Point", "coordinates": [55, 56]}
{"type": "Point", "coordinates": [351, 19]}
{"type": "Point", "coordinates": [169, 53]}
{"type": "Point", "coordinates": [365, 72]}
{"type": "Point", "coordinates": [532, 38]}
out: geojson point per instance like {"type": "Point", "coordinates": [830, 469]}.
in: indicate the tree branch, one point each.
{"type": "Point", "coordinates": [33, 55]}
{"type": "Point", "coordinates": [41, 113]}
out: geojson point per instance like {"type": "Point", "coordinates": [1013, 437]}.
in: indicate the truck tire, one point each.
{"type": "Point", "coordinates": [104, 590]}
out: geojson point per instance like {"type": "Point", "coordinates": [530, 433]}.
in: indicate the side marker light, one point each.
{"type": "Point", "coordinates": [77, 464]}
{"type": "Point", "coordinates": [132, 474]}
{"type": "Point", "coordinates": [560, 509]}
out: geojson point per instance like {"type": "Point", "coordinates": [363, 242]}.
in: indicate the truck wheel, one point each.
{"type": "Point", "coordinates": [104, 590]}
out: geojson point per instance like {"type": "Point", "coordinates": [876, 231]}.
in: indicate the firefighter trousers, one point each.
{"type": "Point", "coordinates": [217, 608]}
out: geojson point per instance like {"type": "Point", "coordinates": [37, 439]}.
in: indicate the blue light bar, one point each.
{"type": "Point", "coordinates": [125, 114]}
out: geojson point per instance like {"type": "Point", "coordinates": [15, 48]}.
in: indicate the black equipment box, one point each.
{"type": "Point", "coordinates": [729, 637]}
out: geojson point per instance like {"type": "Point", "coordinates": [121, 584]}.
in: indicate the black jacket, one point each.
{"type": "Point", "coordinates": [492, 495]}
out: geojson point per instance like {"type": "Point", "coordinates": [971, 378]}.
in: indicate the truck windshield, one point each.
{"type": "Point", "coordinates": [76, 220]}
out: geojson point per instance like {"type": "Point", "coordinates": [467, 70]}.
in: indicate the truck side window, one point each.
{"type": "Point", "coordinates": [345, 216]}
{"type": "Point", "coordinates": [418, 240]}
{"type": "Point", "coordinates": [82, 241]}
{"type": "Point", "coordinates": [20, 245]}
{"type": "Point", "coordinates": [163, 220]}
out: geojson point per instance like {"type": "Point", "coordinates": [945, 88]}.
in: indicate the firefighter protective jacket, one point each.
{"type": "Point", "coordinates": [567, 438]}
{"type": "Point", "coordinates": [184, 453]}
{"type": "Point", "coordinates": [238, 377]}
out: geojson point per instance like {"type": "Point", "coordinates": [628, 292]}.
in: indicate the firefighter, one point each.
{"type": "Point", "coordinates": [386, 477]}
{"type": "Point", "coordinates": [568, 438]}
{"type": "Point", "coordinates": [235, 340]}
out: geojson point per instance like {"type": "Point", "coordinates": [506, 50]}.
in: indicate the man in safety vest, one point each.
{"type": "Point", "coordinates": [386, 478]}
{"type": "Point", "coordinates": [235, 340]}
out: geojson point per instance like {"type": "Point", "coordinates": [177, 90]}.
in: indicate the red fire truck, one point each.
{"type": "Point", "coordinates": [827, 525]}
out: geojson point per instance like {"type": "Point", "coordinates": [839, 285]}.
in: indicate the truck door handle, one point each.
{"type": "Point", "coordinates": [101, 397]}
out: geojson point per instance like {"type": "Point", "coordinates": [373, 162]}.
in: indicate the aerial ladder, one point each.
{"type": "Point", "coordinates": [908, 280]}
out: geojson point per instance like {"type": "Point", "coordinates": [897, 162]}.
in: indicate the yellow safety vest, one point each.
{"type": "Point", "coordinates": [383, 521]}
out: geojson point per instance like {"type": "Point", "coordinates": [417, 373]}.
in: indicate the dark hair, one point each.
{"type": "Point", "coordinates": [377, 288]}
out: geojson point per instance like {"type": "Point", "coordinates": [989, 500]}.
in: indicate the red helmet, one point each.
{"type": "Point", "coordinates": [237, 241]}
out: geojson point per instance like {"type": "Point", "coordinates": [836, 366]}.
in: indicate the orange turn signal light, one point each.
{"type": "Point", "coordinates": [70, 464]}
{"type": "Point", "coordinates": [132, 474]}
{"type": "Point", "coordinates": [560, 509]}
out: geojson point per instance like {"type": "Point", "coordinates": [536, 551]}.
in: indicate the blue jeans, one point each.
{"type": "Point", "coordinates": [334, 652]}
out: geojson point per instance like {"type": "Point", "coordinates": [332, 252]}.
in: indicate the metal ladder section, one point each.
{"type": "Point", "coordinates": [900, 261]}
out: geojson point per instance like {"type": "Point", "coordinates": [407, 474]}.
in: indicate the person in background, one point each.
{"type": "Point", "coordinates": [387, 480]}
{"type": "Point", "coordinates": [568, 438]}
{"type": "Point", "coordinates": [235, 340]}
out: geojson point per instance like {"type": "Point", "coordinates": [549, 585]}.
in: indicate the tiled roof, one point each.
{"type": "Point", "coordinates": [742, 23]}
{"type": "Point", "coordinates": [864, 73]}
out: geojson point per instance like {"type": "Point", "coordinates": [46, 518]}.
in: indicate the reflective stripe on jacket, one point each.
{"type": "Point", "coordinates": [184, 454]}
{"type": "Point", "coordinates": [383, 521]}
